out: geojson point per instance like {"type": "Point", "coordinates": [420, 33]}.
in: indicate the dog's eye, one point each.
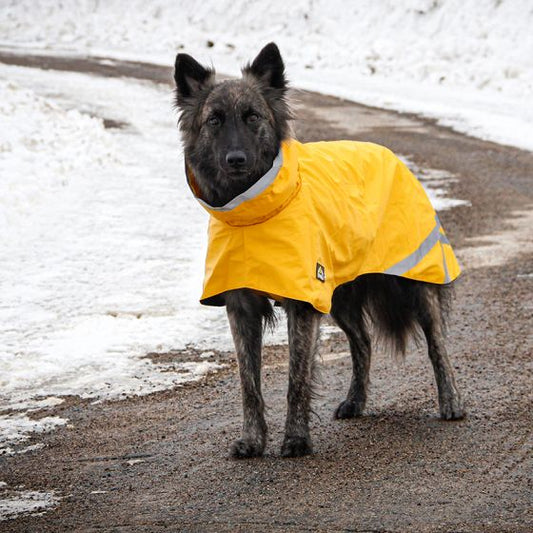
{"type": "Point", "coordinates": [252, 117]}
{"type": "Point", "coordinates": [214, 121]}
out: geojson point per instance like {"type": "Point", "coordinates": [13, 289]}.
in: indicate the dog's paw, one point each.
{"type": "Point", "coordinates": [296, 447]}
{"type": "Point", "coordinates": [452, 409]}
{"type": "Point", "coordinates": [348, 409]}
{"type": "Point", "coordinates": [244, 448]}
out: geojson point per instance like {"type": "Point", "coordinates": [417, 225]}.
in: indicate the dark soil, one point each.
{"type": "Point", "coordinates": [160, 462]}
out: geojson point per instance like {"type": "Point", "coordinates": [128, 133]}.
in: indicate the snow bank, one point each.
{"type": "Point", "coordinates": [466, 62]}
{"type": "Point", "coordinates": [99, 245]}
{"type": "Point", "coordinates": [44, 152]}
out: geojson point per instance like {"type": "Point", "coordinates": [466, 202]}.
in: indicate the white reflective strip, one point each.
{"type": "Point", "coordinates": [443, 238]}
{"type": "Point", "coordinates": [412, 260]}
{"type": "Point", "coordinates": [255, 190]}
{"type": "Point", "coordinates": [446, 273]}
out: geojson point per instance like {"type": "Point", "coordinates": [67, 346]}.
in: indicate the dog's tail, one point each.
{"type": "Point", "coordinates": [398, 308]}
{"type": "Point", "coordinates": [269, 315]}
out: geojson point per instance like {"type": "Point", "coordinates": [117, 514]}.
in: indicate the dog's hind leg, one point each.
{"type": "Point", "coordinates": [431, 321]}
{"type": "Point", "coordinates": [246, 312]}
{"type": "Point", "coordinates": [304, 329]}
{"type": "Point", "coordinates": [347, 311]}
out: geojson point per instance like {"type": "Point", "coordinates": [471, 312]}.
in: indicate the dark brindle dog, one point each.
{"type": "Point", "coordinates": [232, 131]}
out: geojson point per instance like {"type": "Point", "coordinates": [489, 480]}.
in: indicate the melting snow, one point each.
{"type": "Point", "coordinates": [16, 503]}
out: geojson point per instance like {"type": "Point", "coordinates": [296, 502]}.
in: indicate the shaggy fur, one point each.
{"type": "Point", "coordinates": [231, 133]}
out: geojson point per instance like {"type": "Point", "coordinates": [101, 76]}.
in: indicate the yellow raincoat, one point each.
{"type": "Point", "coordinates": [323, 215]}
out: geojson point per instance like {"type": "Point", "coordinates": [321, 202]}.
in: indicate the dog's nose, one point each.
{"type": "Point", "coordinates": [236, 158]}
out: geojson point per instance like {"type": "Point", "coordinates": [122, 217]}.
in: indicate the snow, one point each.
{"type": "Point", "coordinates": [15, 430]}
{"type": "Point", "coordinates": [467, 63]}
{"type": "Point", "coordinates": [436, 183]}
{"type": "Point", "coordinates": [101, 251]}
{"type": "Point", "coordinates": [498, 249]}
{"type": "Point", "coordinates": [36, 405]}
{"type": "Point", "coordinates": [23, 502]}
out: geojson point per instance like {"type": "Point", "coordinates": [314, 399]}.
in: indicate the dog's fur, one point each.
{"type": "Point", "coordinates": [231, 133]}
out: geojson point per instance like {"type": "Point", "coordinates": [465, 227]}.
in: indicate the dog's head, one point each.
{"type": "Point", "coordinates": [231, 130]}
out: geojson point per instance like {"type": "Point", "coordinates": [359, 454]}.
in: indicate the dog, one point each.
{"type": "Point", "coordinates": [232, 132]}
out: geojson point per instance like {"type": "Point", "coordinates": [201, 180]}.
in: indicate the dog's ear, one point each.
{"type": "Point", "coordinates": [268, 68]}
{"type": "Point", "coordinates": [190, 77]}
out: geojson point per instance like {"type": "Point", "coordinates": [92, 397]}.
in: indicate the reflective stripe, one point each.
{"type": "Point", "coordinates": [446, 273]}
{"type": "Point", "coordinates": [425, 247]}
{"type": "Point", "coordinates": [443, 239]}
{"type": "Point", "coordinates": [256, 189]}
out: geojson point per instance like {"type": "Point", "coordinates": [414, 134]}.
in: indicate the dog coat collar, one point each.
{"type": "Point", "coordinates": [332, 212]}
{"type": "Point", "coordinates": [266, 197]}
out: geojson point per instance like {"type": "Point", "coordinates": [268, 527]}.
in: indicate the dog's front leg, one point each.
{"type": "Point", "coordinates": [245, 313]}
{"type": "Point", "coordinates": [303, 323]}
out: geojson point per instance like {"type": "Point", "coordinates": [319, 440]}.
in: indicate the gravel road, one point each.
{"type": "Point", "coordinates": [160, 462]}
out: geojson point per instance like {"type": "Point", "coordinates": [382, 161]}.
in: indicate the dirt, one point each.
{"type": "Point", "coordinates": [160, 462]}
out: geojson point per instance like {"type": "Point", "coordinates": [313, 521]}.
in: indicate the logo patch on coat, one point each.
{"type": "Point", "coordinates": [320, 273]}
